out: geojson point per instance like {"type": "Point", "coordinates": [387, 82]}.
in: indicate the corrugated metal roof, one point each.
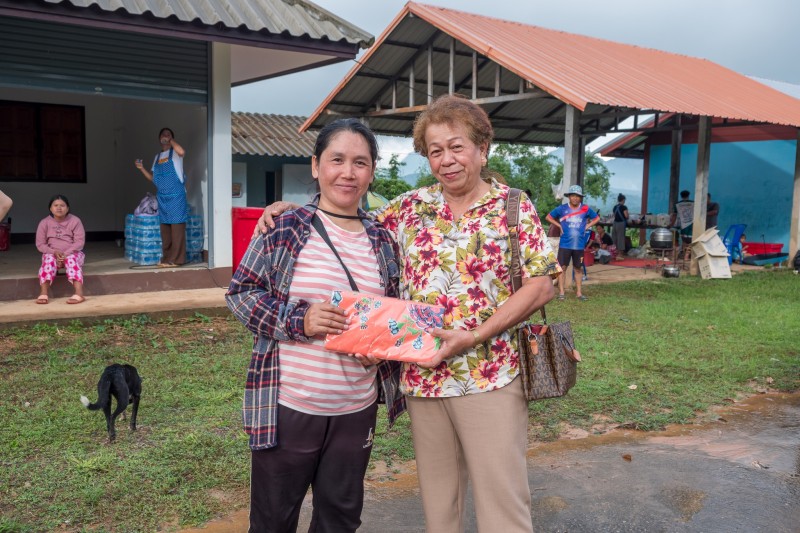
{"type": "Point", "coordinates": [296, 18]}
{"type": "Point", "coordinates": [274, 135]}
{"type": "Point", "coordinates": [589, 73]}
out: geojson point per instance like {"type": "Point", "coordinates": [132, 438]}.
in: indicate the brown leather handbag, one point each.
{"type": "Point", "coordinates": [548, 360]}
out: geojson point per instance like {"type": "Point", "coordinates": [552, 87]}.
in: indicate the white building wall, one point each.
{"type": "Point", "coordinates": [118, 131]}
{"type": "Point", "coordinates": [220, 253]}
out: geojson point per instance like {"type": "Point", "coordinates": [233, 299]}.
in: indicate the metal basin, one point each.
{"type": "Point", "coordinates": [661, 238]}
{"type": "Point", "coordinates": [671, 271]}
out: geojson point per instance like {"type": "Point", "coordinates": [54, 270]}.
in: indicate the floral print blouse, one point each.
{"type": "Point", "coordinates": [464, 265]}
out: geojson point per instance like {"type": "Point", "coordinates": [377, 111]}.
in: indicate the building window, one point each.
{"type": "Point", "coordinates": [42, 142]}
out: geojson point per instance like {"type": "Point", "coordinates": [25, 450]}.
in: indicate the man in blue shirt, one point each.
{"type": "Point", "coordinates": [574, 219]}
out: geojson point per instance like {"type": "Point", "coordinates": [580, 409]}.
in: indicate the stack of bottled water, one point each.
{"type": "Point", "coordinates": [143, 239]}
{"type": "Point", "coordinates": [194, 239]}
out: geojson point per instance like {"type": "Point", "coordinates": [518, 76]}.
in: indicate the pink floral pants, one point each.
{"type": "Point", "coordinates": [73, 266]}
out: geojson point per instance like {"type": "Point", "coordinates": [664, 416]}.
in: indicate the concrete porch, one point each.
{"type": "Point", "coordinates": [106, 272]}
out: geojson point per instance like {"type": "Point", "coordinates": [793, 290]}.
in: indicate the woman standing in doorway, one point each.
{"type": "Point", "coordinates": [169, 179]}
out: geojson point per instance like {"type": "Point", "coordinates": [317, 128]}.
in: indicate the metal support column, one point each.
{"type": "Point", "coordinates": [794, 229]}
{"type": "Point", "coordinates": [572, 147]}
{"type": "Point", "coordinates": [701, 185]}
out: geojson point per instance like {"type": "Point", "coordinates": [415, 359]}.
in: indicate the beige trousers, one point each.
{"type": "Point", "coordinates": [482, 437]}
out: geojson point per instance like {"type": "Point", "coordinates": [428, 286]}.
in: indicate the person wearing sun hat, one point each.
{"type": "Point", "coordinates": [574, 218]}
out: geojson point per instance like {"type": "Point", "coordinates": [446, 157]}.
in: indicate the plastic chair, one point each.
{"type": "Point", "coordinates": [732, 237]}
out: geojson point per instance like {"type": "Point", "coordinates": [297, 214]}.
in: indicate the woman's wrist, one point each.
{"type": "Point", "coordinates": [476, 337]}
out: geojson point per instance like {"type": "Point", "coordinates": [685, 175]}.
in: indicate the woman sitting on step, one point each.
{"type": "Point", "coordinates": [60, 237]}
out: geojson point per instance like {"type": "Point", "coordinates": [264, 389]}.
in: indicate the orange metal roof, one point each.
{"type": "Point", "coordinates": [581, 70]}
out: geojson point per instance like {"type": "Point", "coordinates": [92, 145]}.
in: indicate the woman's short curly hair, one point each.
{"type": "Point", "coordinates": [454, 109]}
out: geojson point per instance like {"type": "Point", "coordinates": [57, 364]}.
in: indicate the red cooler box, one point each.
{"type": "Point", "coordinates": [5, 236]}
{"type": "Point", "coordinates": [244, 222]}
{"type": "Point", "coordinates": [588, 257]}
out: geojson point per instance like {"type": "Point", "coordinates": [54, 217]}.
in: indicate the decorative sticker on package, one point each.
{"type": "Point", "coordinates": [387, 328]}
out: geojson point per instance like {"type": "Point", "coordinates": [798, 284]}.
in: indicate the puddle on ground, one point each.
{"type": "Point", "coordinates": [685, 502]}
{"type": "Point", "coordinates": [763, 432]}
{"type": "Point", "coordinates": [760, 432]}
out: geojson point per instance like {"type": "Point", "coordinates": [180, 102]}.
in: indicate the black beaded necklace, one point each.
{"type": "Point", "coordinates": [337, 215]}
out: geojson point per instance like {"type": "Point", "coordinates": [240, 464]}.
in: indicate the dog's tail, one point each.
{"type": "Point", "coordinates": [103, 396]}
{"type": "Point", "coordinates": [92, 406]}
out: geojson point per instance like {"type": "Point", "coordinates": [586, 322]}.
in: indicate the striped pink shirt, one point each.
{"type": "Point", "coordinates": [312, 379]}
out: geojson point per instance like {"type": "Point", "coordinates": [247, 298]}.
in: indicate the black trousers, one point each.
{"type": "Point", "coordinates": [328, 453]}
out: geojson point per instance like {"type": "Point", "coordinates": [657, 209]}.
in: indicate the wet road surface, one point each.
{"type": "Point", "coordinates": [738, 474]}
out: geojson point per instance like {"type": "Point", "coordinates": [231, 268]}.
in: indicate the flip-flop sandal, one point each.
{"type": "Point", "coordinates": [43, 299]}
{"type": "Point", "coordinates": [75, 299]}
{"type": "Point", "coordinates": [562, 297]}
{"type": "Point", "coordinates": [583, 297]}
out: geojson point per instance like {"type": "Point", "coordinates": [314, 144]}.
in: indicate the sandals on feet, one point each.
{"type": "Point", "coordinates": [562, 297]}
{"type": "Point", "coordinates": [43, 299]}
{"type": "Point", "coordinates": [583, 297]}
{"type": "Point", "coordinates": [76, 299]}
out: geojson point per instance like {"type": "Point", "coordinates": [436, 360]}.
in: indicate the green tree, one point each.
{"type": "Point", "coordinates": [529, 168]}
{"type": "Point", "coordinates": [388, 182]}
{"type": "Point", "coordinates": [425, 178]}
{"type": "Point", "coordinates": [532, 168]}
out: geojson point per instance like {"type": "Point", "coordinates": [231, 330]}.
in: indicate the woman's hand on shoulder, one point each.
{"type": "Point", "coordinates": [267, 220]}
{"type": "Point", "coordinates": [454, 342]}
{"type": "Point", "coordinates": [324, 319]}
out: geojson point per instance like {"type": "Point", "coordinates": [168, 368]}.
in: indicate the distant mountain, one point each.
{"type": "Point", "coordinates": [633, 201]}
{"type": "Point", "coordinates": [626, 179]}
{"type": "Point", "coordinates": [414, 165]}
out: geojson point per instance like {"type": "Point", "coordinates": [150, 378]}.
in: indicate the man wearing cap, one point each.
{"type": "Point", "coordinates": [574, 218]}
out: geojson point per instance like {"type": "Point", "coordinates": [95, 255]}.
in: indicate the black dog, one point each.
{"type": "Point", "coordinates": [123, 383]}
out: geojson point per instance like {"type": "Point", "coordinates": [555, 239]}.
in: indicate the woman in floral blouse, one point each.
{"type": "Point", "coordinates": [469, 416]}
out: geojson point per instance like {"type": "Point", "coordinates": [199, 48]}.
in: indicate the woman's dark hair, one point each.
{"type": "Point", "coordinates": [162, 130]}
{"type": "Point", "coordinates": [352, 125]}
{"type": "Point", "coordinates": [621, 197]}
{"type": "Point", "coordinates": [57, 197]}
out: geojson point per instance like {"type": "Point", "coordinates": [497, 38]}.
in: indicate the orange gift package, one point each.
{"type": "Point", "coordinates": [387, 328]}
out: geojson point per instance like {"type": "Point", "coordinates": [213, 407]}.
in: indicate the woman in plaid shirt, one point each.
{"type": "Point", "coordinates": [310, 413]}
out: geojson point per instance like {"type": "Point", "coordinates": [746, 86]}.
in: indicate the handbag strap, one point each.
{"type": "Point", "coordinates": [317, 223]}
{"type": "Point", "coordinates": [512, 215]}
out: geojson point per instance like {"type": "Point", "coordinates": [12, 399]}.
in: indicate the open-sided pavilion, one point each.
{"type": "Point", "coordinates": [548, 87]}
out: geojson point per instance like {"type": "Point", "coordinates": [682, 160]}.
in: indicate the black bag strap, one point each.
{"type": "Point", "coordinates": [317, 223]}
{"type": "Point", "coordinates": [512, 216]}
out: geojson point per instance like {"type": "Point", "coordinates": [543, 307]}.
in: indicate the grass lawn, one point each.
{"type": "Point", "coordinates": [687, 344]}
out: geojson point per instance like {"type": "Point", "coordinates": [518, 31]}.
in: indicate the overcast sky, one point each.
{"type": "Point", "coordinates": [755, 37]}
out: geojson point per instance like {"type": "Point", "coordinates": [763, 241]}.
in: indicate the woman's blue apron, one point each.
{"type": "Point", "coordinates": [171, 192]}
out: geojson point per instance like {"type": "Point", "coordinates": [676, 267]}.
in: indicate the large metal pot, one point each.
{"type": "Point", "coordinates": [661, 238]}
{"type": "Point", "coordinates": [671, 271]}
